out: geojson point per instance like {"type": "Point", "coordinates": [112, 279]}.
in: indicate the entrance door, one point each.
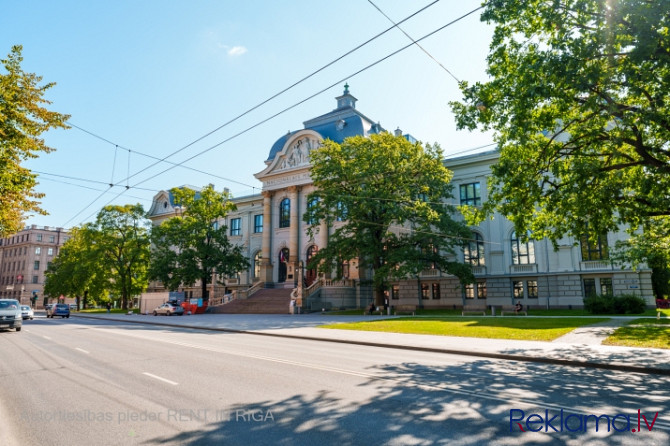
{"type": "Point", "coordinates": [283, 258]}
{"type": "Point", "coordinates": [310, 274]}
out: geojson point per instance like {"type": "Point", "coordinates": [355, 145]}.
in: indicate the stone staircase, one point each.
{"type": "Point", "coordinates": [264, 301]}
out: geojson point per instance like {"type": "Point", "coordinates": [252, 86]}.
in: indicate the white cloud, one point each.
{"type": "Point", "coordinates": [237, 51]}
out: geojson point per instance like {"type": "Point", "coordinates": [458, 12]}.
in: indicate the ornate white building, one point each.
{"type": "Point", "coordinates": [270, 227]}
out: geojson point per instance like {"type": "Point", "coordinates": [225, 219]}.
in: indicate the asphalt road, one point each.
{"type": "Point", "coordinates": [93, 382]}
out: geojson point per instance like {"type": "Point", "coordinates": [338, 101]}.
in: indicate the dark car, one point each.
{"type": "Point", "coordinates": [62, 310]}
{"type": "Point", "coordinates": [10, 314]}
{"type": "Point", "coordinates": [169, 309]}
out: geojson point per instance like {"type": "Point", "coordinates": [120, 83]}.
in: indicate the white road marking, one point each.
{"type": "Point", "coordinates": [82, 350]}
{"type": "Point", "coordinates": [161, 379]}
{"type": "Point", "coordinates": [499, 396]}
{"type": "Point", "coordinates": [46, 337]}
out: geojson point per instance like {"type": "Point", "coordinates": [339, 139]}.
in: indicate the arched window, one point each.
{"type": "Point", "coordinates": [310, 206]}
{"type": "Point", "coordinates": [310, 273]}
{"type": "Point", "coordinates": [285, 213]}
{"type": "Point", "coordinates": [523, 253]}
{"type": "Point", "coordinates": [342, 211]}
{"type": "Point", "coordinates": [474, 250]}
{"type": "Point", "coordinates": [257, 264]}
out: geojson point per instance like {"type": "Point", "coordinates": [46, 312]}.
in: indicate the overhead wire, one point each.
{"type": "Point", "coordinates": [286, 89]}
{"type": "Point", "coordinates": [164, 159]}
{"type": "Point", "coordinates": [397, 25]}
{"type": "Point", "coordinates": [367, 67]}
{"type": "Point", "coordinates": [181, 163]}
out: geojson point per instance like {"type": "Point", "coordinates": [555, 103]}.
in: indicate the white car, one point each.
{"type": "Point", "coordinates": [10, 314]}
{"type": "Point", "coordinates": [27, 312]}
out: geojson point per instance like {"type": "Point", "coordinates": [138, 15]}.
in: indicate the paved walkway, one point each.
{"type": "Point", "coordinates": [593, 334]}
{"type": "Point", "coordinates": [581, 348]}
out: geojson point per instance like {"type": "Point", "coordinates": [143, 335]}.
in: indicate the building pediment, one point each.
{"type": "Point", "coordinates": [292, 162]}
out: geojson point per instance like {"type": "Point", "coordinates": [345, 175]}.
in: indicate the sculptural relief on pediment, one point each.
{"type": "Point", "coordinates": [297, 154]}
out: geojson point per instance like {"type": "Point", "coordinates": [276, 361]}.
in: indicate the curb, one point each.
{"type": "Point", "coordinates": [504, 356]}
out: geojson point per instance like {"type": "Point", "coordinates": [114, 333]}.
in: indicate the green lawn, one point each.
{"type": "Point", "coordinates": [531, 312]}
{"type": "Point", "coordinates": [646, 333]}
{"type": "Point", "coordinates": [529, 329]}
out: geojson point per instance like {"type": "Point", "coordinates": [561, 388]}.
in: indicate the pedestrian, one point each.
{"type": "Point", "coordinates": [518, 307]}
{"type": "Point", "coordinates": [371, 309]}
{"type": "Point", "coordinates": [109, 307]}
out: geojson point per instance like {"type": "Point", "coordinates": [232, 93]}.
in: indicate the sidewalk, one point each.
{"type": "Point", "coordinates": [580, 348]}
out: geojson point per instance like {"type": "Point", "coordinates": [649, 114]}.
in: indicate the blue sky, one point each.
{"type": "Point", "coordinates": [152, 77]}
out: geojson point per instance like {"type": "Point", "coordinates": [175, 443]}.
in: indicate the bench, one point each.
{"type": "Point", "coordinates": [405, 309]}
{"type": "Point", "coordinates": [473, 310]}
{"type": "Point", "coordinates": [510, 310]}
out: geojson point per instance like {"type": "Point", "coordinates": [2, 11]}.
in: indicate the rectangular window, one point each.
{"type": "Point", "coordinates": [36, 265]}
{"type": "Point", "coordinates": [469, 290]}
{"type": "Point", "coordinates": [395, 292]}
{"type": "Point", "coordinates": [424, 291]}
{"type": "Point", "coordinates": [471, 194]}
{"type": "Point", "coordinates": [50, 251]}
{"type": "Point", "coordinates": [606, 286]}
{"type": "Point", "coordinates": [589, 287]}
{"type": "Point", "coordinates": [517, 289]}
{"type": "Point", "coordinates": [236, 226]}
{"type": "Point", "coordinates": [52, 239]}
{"type": "Point", "coordinates": [532, 289]}
{"type": "Point", "coordinates": [436, 291]}
{"type": "Point", "coordinates": [38, 250]}
{"type": "Point", "coordinates": [481, 289]}
{"type": "Point", "coordinates": [39, 237]}
{"type": "Point", "coordinates": [34, 279]}
{"type": "Point", "coordinates": [258, 223]}
{"type": "Point", "coordinates": [594, 249]}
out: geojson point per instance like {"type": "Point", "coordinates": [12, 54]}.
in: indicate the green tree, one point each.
{"type": "Point", "coordinates": [391, 196]}
{"type": "Point", "coordinates": [77, 270]}
{"type": "Point", "coordinates": [194, 246]}
{"type": "Point", "coordinates": [579, 101]}
{"type": "Point", "coordinates": [120, 240]}
{"type": "Point", "coordinates": [22, 120]}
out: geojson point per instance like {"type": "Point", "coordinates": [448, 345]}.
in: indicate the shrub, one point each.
{"type": "Point", "coordinates": [623, 304]}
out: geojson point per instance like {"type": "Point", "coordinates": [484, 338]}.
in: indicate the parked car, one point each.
{"type": "Point", "coordinates": [10, 314]}
{"type": "Point", "coordinates": [169, 309]}
{"type": "Point", "coordinates": [27, 312]}
{"type": "Point", "coordinates": [48, 306]}
{"type": "Point", "coordinates": [73, 307]}
{"type": "Point", "coordinates": [62, 310]}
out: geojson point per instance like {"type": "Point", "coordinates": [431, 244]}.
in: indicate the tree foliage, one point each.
{"type": "Point", "coordinates": [107, 257]}
{"type": "Point", "coordinates": [120, 238]}
{"type": "Point", "coordinates": [391, 196]}
{"type": "Point", "coordinates": [579, 99]}
{"type": "Point", "coordinates": [22, 120]}
{"type": "Point", "coordinates": [77, 271]}
{"type": "Point", "coordinates": [194, 246]}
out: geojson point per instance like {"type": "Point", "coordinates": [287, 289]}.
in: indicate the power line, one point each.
{"type": "Point", "coordinates": [410, 38]}
{"type": "Point", "coordinates": [285, 89]}
{"type": "Point", "coordinates": [155, 158]}
{"type": "Point", "coordinates": [159, 160]}
{"type": "Point", "coordinates": [290, 107]}
{"type": "Point", "coordinates": [314, 95]}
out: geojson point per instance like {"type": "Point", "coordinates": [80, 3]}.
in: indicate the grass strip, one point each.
{"type": "Point", "coordinates": [644, 333]}
{"type": "Point", "coordinates": [518, 328]}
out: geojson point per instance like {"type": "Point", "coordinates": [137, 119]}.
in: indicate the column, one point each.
{"type": "Point", "coordinates": [294, 235]}
{"type": "Point", "coordinates": [323, 233]}
{"type": "Point", "coordinates": [266, 248]}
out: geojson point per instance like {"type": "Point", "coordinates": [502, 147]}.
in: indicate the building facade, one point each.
{"type": "Point", "coordinates": [507, 268]}
{"type": "Point", "coordinates": [24, 259]}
